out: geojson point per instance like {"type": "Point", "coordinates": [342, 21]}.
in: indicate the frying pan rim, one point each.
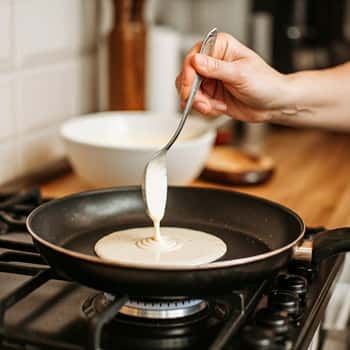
{"type": "Point", "coordinates": [208, 266]}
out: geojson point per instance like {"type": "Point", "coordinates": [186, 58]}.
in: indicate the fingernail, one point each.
{"type": "Point", "coordinates": [220, 106]}
{"type": "Point", "coordinates": [201, 60]}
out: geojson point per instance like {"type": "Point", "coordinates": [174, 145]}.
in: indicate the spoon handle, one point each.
{"type": "Point", "coordinates": [206, 49]}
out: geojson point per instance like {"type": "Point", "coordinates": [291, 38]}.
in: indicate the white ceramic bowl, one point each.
{"type": "Point", "coordinates": [112, 148]}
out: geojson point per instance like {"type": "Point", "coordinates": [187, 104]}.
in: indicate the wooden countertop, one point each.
{"type": "Point", "coordinates": [312, 176]}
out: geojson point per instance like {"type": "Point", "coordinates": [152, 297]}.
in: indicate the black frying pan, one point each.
{"type": "Point", "coordinates": [261, 237]}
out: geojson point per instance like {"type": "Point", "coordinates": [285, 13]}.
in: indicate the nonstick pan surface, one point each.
{"type": "Point", "coordinates": [260, 236]}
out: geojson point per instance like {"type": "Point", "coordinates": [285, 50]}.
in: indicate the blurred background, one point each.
{"type": "Point", "coordinates": [64, 58]}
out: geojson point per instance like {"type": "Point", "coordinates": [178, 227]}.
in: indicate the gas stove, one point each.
{"type": "Point", "coordinates": [41, 310]}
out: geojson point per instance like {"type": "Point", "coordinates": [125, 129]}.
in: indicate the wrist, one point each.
{"type": "Point", "coordinates": [295, 101]}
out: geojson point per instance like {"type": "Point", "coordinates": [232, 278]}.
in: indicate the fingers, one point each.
{"type": "Point", "coordinates": [205, 102]}
{"type": "Point", "coordinates": [207, 109]}
{"type": "Point", "coordinates": [213, 88]}
{"type": "Point", "coordinates": [185, 79]}
{"type": "Point", "coordinates": [209, 87]}
{"type": "Point", "coordinates": [208, 112]}
{"type": "Point", "coordinates": [227, 50]}
{"type": "Point", "coordinates": [213, 68]}
{"type": "Point", "coordinates": [206, 105]}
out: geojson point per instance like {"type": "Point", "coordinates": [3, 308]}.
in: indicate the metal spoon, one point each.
{"type": "Point", "coordinates": [155, 184]}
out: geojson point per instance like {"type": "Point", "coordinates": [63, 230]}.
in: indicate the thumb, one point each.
{"type": "Point", "coordinates": [213, 68]}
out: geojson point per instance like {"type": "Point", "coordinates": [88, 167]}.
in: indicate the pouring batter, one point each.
{"type": "Point", "coordinates": [178, 246]}
{"type": "Point", "coordinates": [147, 246]}
{"type": "Point", "coordinates": [155, 193]}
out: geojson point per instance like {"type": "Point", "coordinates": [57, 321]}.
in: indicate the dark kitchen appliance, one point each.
{"type": "Point", "coordinates": [307, 34]}
{"type": "Point", "coordinates": [40, 310]}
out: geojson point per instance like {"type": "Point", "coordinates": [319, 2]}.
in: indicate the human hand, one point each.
{"type": "Point", "coordinates": [237, 82]}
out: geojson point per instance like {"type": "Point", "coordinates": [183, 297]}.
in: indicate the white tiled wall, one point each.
{"type": "Point", "coordinates": [6, 48]}
{"type": "Point", "coordinates": [47, 74]}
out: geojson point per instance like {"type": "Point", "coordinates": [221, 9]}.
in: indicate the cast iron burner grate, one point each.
{"type": "Point", "coordinates": [41, 276]}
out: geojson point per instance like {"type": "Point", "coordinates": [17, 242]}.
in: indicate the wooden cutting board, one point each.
{"type": "Point", "coordinates": [229, 165]}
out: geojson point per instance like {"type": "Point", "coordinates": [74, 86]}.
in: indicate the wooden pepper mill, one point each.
{"type": "Point", "coordinates": [127, 45]}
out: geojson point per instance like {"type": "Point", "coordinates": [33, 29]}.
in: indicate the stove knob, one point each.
{"type": "Point", "coordinates": [285, 301]}
{"type": "Point", "coordinates": [293, 283]}
{"type": "Point", "coordinates": [272, 319]}
{"type": "Point", "coordinates": [304, 269]}
{"type": "Point", "coordinates": [256, 338]}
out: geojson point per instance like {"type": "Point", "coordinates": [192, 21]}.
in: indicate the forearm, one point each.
{"type": "Point", "coordinates": [318, 98]}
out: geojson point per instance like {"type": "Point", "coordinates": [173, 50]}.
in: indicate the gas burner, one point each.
{"type": "Point", "coordinates": [163, 309]}
{"type": "Point", "coordinates": [190, 323]}
{"type": "Point", "coordinates": [152, 309]}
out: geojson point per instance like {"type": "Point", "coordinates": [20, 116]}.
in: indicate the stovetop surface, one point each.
{"type": "Point", "coordinates": [38, 310]}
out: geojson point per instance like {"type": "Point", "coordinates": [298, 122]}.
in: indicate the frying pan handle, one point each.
{"type": "Point", "coordinates": [330, 242]}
